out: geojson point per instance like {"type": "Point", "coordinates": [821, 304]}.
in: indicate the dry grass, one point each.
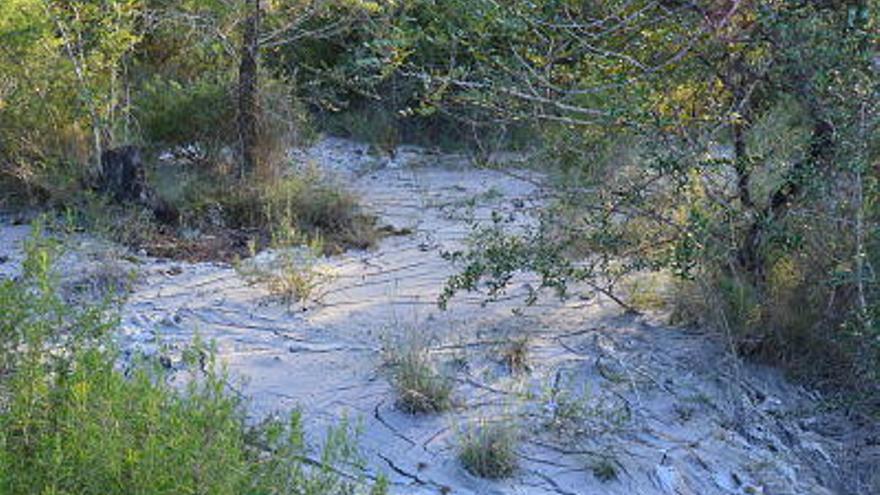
{"type": "Point", "coordinates": [515, 354]}
{"type": "Point", "coordinates": [294, 274]}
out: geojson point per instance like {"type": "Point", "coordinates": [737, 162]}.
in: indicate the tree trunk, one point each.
{"type": "Point", "coordinates": [77, 60]}
{"type": "Point", "coordinates": [247, 90]}
{"type": "Point", "coordinates": [821, 152]}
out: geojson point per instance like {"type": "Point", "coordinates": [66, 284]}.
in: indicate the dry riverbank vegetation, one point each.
{"type": "Point", "coordinates": [713, 162]}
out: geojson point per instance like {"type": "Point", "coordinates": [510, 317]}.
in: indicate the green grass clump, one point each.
{"type": "Point", "coordinates": [488, 449]}
{"type": "Point", "coordinates": [420, 387]}
{"type": "Point", "coordinates": [604, 468]}
{"type": "Point", "coordinates": [73, 422]}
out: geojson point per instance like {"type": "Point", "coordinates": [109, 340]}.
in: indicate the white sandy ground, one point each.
{"type": "Point", "coordinates": [690, 418]}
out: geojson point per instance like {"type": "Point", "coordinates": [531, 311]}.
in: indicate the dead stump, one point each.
{"type": "Point", "coordinates": [123, 175]}
{"type": "Point", "coordinates": [123, 178]}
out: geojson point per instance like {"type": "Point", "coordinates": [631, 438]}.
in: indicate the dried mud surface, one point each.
{"type": "Point", "coordinates": [658, 409]}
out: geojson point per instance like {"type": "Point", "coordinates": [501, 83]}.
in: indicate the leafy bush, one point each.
{"type": "Point", "coordinates": [73, 421]}
{"type": "Point", "coordinates": [57, 94]}
{"type": "Point", "coordinates": [196, 120]}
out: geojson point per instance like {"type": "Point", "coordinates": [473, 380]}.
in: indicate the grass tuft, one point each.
{"type": "Point", "coordinates": [420, 387]}
{"type": "Point", "coordinates": [292, 273]}
{"type": "Point", "coordinates": [604, 468]}
{"type": "Point", "coordinates": [515, 355]}
{"type": "Point", "coordinates": [488, 449]}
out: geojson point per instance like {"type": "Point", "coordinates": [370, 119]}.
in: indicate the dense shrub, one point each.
{"type": "Point", "coordinates": [76, 419]}
{"type": "Point", "coordinates": [198, 114]}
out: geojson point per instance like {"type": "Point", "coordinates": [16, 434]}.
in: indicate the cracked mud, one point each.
{"type": "Point", "coordinates": [609, 404]}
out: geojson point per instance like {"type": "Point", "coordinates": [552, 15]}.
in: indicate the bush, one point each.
{"type": "Point", "coordinates": [71, 421]}
{"type": "Point", "coordinates": [196, 121]}
{"type": "Point", "coordinates": [175, 115]}
{"type": "Point", "coordinates": [793, 322]}
{"type": "Point", "coordinates": [290, 209]}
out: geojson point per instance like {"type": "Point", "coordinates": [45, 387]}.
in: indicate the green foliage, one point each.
{"type": "Point", "coordinates": [200, 113]}
{"type": "Point", "coordinates": [746, 169]}
{"type": "Point", "coordinates": [127, 224]}
{"type": "Point", "coordinates": [495, 256]}
{"type": "Point", "coordinates": [60, 94]}
{"type": "Point", "coordinates": [72, 421]}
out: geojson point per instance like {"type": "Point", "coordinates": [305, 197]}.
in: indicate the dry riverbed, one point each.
{"type": "Point", "coordinates": [604, 403]}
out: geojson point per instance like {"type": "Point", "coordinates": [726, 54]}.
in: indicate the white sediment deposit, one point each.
{"type": "Point", "coordinates": [658, 409]}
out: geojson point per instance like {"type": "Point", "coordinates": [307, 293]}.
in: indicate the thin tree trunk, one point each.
{"type": "Point", "coordinates": [86, 95]}
{"type": "Point", "coordinates": [861, 249]}
{"type": "Point", "coordinates": [247, 90]}
{"type": "Point", "coordinates": [821, 151]}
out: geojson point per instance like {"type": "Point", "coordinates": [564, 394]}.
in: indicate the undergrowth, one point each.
{"type": "Point", "coordinates": [300, 207]}
{"type": "Point", "coordinates": [75, 418]}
